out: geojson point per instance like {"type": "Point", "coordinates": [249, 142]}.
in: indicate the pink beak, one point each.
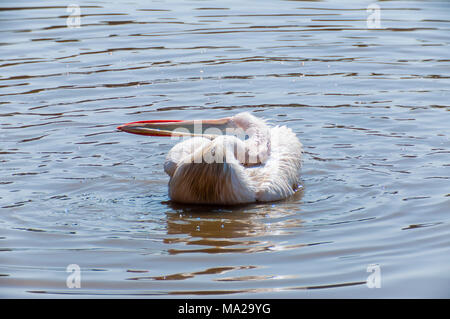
{"type": "Point", "coordinates": [175, 127]}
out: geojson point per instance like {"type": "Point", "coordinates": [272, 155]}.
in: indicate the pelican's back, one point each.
{"type": "Point", "coordinates": [222, 181]}
{"type": "Point", "coordinates": [279, 177]}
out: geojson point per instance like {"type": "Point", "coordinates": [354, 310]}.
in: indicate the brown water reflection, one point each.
{"type": "Point", "coordinates": [219, 230]}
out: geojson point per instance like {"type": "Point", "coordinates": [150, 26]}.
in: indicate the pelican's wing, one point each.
{"type": "Point", "coordinates": [181, 151]}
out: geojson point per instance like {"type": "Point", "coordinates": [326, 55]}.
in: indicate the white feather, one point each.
{"type": "Point", "coordinates": [230, 179]}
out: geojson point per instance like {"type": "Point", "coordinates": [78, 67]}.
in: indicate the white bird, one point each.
{"type": "Point", "coordinates": [261, 166]}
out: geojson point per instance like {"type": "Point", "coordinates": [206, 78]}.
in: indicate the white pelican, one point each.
{"type": "Point", "coordinates": [222, 169]}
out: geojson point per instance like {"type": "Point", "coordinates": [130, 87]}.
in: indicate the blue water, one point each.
{"type": "Point", "coordinates": [370, 106]}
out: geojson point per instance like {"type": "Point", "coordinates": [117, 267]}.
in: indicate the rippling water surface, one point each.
{"type": "Point", "coordinates": [371, 106]}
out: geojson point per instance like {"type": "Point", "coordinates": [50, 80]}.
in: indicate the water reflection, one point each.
{"type": "Point", "coordinates": [244, 229]}
{"type": "Point", "coordinates": [249, 229]}
{"type": "Point", "coordinates": [235, 229]}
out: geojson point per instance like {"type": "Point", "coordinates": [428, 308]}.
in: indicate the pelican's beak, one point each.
{"type": "Point", "coordinates": [205, 128]}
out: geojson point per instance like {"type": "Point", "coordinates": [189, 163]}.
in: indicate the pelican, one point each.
{"type": "Point", "coordinates": [256, 163]}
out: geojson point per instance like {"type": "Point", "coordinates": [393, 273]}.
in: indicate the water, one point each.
{"type": "Point", "coordinates": [370, 106]}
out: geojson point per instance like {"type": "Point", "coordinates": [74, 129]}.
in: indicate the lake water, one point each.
{"type": "Point", "coordinates": [368, 98]}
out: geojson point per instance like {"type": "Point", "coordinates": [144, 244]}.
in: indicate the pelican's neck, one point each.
{"type": "Point", "coordinates": [258, 144]}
